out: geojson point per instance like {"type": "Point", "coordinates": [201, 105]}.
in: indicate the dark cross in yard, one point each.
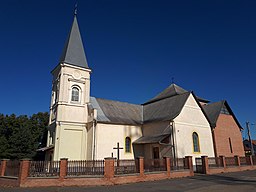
{"type": "Point", "coordinates": [118, 150]}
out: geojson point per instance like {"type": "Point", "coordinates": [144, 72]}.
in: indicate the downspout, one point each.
{"type": "Point", "coordinates": [214, 142]}
{"type": "Point", "coordinates": [173, 140]}
{"type": "Point", "coordinates": [94, 124]}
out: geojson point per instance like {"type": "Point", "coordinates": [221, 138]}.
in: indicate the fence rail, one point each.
{"type": "Point", "coordinates": [244, 161]}
{"type": "Point", "coordinates": [230, 161]}
{"type": "Point", "coordinates": [44, 168]}
{"type": "Point", "coordinates": [12, 168]}
{"type": "Point", "coordinates": [254, 160]}
{"type": "Point", "coordinates": [178, 164]}
{"type": "Point", "coordinates": [215, 162]}
{"type": "Point", "coordinates": [129, 166]}
{"type": "Point", "coordinates": [86, 167]}
{"type": "Point", "coordinates": [152, 165]}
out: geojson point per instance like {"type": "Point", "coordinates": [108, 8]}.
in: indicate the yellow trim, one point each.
{"type": "Point", "coordinates": [196, 152]}
{"type": "Point", "coordinates": [125, 145]}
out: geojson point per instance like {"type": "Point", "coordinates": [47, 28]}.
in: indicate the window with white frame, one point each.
{"type": "Point", "coordinates": [75, 94]}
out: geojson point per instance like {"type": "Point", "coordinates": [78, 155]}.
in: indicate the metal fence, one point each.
{"type": "Point", "coordinates": [230, 161]}
{"type": "Point", "coordinates": [215, 162]}
{"type": "Point", "coordinates": [44, 168]}
{"type": "Point", "coordinates": [152, 165]}
{"type": "Point", "coordinates": [129, 166]}
{"type": "Point", "coordinates": [254, 160]}
{"type": "Point", "coordinates": [86, 167]}
{"type": "Point", "coordinates": [199, 165]}
{"type": "Point", "coordinates": [244, 161]}
{"type": "Point", "coordinates": [12, 168]}
{"type": "Point", "coordinates": [179, 164]}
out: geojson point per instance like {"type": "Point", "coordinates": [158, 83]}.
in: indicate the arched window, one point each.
{"type": "Point", "coordinates": [196, 145]}
{"type": "Point", "coordinates": [75, 94]}
{"type": "Point", "coordinates": [128, 145]}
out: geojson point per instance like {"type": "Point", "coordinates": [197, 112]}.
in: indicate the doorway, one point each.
{"type": "Point", "coordinates": [155, 152]}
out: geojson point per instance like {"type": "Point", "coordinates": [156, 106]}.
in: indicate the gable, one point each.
{"type": "Point", "coordinates": [213, 111]}
{"type": "Point", "coordinates": [192, 113]}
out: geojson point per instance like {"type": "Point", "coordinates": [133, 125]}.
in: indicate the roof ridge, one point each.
{"type": "Point", "coordinates": [153, 101]}
{"type": "Point", "coordinates": [118, 101]}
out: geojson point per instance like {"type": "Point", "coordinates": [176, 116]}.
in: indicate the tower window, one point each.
{"type": "Point", "coordinates": [196, 146]}
{"type": "Point", "coordinates": [75, 94]}
{"type": "Point", "coordinates": [128, 145]}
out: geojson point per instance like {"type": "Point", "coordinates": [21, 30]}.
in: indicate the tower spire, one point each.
{"type": "Point", "coordinates": [73, 52]}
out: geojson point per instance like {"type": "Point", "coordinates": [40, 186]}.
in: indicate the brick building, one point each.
{"type": "Point", "coordinates": [226, 130]}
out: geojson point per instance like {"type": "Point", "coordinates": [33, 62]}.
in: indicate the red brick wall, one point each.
{"type": "Point", "coordinates": [227, 128]}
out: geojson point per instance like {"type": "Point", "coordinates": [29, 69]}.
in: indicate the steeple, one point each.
{"type": "Point", "coordinates": [73, 52]}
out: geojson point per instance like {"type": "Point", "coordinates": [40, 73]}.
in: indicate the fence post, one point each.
{"type": "Point", "coordinates": [250, 160]}
{"type": "Point", "coordinates": [3, 167]}
{"type": "Point", "coordinates": [205, 164]}
{"type": "Point", "coordinates": [141, 165]}
{"type": "Point", "coordinates": [24, 171]}
{"type": "Point", "coordinates": [223, 161]}
{"type": "Point", "coordinates": [168, 165]}
{"type": "Point", "coordinates": [189, 162]}
{"type": "Point", "coordinates": [63, 168]}
{"type": "Point", "coordinates": [237, 159]}
{"type": "Point", "coordinates": [109, 168]}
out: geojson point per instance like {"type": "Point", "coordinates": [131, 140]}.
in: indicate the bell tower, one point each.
{"type": "Point", "coordinates": [70, 101]}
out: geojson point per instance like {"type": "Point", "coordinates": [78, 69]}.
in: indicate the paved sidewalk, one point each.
{"type": "Point", "coordinates": [239, 181]}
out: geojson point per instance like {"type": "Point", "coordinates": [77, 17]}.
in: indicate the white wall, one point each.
{"type": "Point", "coordinates": [191, 119]}
{"type": "Point", "coordinates": [107, 136]}
{"type": "Point", "coordinates": [68, 117]}
{"type": "Point", "coordinates": [70, 142]}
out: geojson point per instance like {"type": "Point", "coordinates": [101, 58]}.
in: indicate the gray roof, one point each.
{"type": "Point", "coordinates": [165, 109]}
{"type": "Point", "coordinates": [73, 52]}
{"type": "Point", "coordinates": [117, 112]}
{"type": "Point", "coordinates": [125, 113]}
{"type": "Point", "coordinates": [151, 139]}
{"type": "Point", "coordinates": [213, 111]}
{"type": "Point", "coordinates": [170, 91]}
{"type": "Point", "coordinates": [166, 106]}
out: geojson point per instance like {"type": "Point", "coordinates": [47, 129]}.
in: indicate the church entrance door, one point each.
{"type": "Point", "coordinates": [155, 152]}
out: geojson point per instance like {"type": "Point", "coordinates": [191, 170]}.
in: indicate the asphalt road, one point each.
{"type": "Point", "coordinates": [225, 182]}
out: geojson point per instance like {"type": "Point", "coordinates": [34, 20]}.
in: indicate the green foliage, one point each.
{"type": "Point", "coordinates": [21, 136]}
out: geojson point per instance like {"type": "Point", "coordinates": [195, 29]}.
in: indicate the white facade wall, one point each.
{"type": "Point", "coordinates": [107, 136]}
{"type": "Point", "coordinates": [68, 119]}
{"type": "Point", "coordinates": [70, 142]}
{"type": "Point", "coordinates": [191, 119]}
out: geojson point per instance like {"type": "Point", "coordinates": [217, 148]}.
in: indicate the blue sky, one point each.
{"type": "Point", "coordinates": [134, 48]}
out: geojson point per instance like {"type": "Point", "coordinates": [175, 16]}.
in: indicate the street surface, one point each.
{"type": "Point", "coordinates": [225, 182]}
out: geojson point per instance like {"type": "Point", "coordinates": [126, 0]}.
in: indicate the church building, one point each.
{"type": "Point", "coordinates": [174, 123]}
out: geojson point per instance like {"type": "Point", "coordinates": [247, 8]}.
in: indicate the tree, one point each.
{"type": "Point", "coordinates": [21, 136]}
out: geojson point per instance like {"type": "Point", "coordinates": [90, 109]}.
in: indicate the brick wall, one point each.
{"type": "Point", "coordinates": [227, 128]}
{"type": "Point", "coordinates": [109, 177]}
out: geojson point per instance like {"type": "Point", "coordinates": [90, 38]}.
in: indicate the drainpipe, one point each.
{"type": "Point", "coordinates": [173, 140]}
{"type": "Point", "coordinates": [94, 124]}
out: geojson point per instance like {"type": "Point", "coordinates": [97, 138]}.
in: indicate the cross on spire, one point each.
{"type": "Point", "coordinates": [75, 11]}
{"type": "Point", "coordinates": [172, 80]}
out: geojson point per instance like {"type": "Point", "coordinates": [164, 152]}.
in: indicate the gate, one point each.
{"type": "Point", "coordinates": [199, 165]}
